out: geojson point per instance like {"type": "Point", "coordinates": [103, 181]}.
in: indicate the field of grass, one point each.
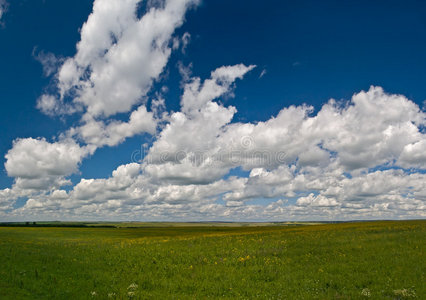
{"type": "Point", "coordinates": [376, 260]}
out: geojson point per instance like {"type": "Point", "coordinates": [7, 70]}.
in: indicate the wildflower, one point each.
{"type": "Point", "coordinates": [243, 259]}
{"type": "Point", "coordinates": [111, 295]}
{"type": "Point", "coordinates": [133, 286]}
{"type": "Point", "coordinates": [93, 293]}
{"type": "Point", "coordinates": [405, 293]}
{"type": "Point", "coordinates": [366, 292]}
{"type": "Point", "coordinates": [131, 294]}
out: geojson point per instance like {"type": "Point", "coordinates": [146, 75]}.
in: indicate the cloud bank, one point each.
{"type": "Point", "coordinates": [360, 158]}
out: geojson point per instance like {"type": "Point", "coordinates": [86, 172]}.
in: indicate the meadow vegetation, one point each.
{"type": "Point", "coordinates": [376, 260]}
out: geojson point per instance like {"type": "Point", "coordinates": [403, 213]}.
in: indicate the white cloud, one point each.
{"type": "Point", "coordinates": [182, 185]}
{"type": "Point", "coordinates": [3, 7]}
{"type": "Point", "coordinates": [128, 195]}
{"type": "Point", "coordinates": [316, 151]}
{"type": "Point", "coordinates": [113, 188]}
{"type": "Point", "coordinates": [48, 60]}
{"type": "Point", "coordinates": [372, 131]}
{"type": "Point", "coordinates": [6, 199]}
{"type": "Point", "coordinates": [119, 55]}
{"type": "Point", "coordinates": [39, 165]}
{"type": "Point", "coordinates": [183, 152]}
{"type": "Point", "coordinates": [196, 97]}
{"type": "Point", "coordinates": [414, 155]}
{"type": "Point", "coordinates": [99, 134]}
{"type": "Point", "coordinates": [186, 39]}
{"type": "Point", "coordinates": [318, 176]}
{"type": "Point", "coordinates": [51, 106]}
{"type": "Point", "coordinates": [320, 200]}
{"type": "Point", "coordinates": [349, 160]}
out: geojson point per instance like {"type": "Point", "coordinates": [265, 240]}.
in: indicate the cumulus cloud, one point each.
{"type": "Point", "coordinates": [348, 161]}
{"type": "Point", "coordinates": [312, 181]}
{"type": "Point", "coordinates": [319, 200]}
{"type": "Point", "coordinates": [49, 61]}
{"type": "Point", "coordinates": [414, 155]}
{"type": "Point", "coordinates": [184, 151]}
{"type": "Point", "coordinates": [37, 164]}
{"type": "Point", "coordinates": [6, 199]}
{"type": "Point", "coordinates": [119, 55]}
{"type": "Point", "coordinates": [51, 106]}
{"type": "Point", "coordinates": [356, 159]}
{"type": "Point", "coordinates": [98, 133]}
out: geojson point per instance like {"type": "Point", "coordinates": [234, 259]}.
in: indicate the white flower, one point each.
{"type": "Point", "coordinates": [130, 294]}
{"type": "Point", "coordinates": [405, 293]}
{"type": "Point", "coordinates": [366, 292]}
{"type": "Point", "coordinates": [133, 287]}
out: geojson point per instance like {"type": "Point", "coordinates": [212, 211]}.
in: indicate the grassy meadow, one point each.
{"type": "Point", "coordinates": [376, 260]}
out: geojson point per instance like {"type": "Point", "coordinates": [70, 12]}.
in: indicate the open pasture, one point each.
{"type": "Point", "coordinates": [376, 260]}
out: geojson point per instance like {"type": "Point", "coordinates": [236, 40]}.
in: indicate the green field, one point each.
{"type": "Point", "coordinates": [376, 260]}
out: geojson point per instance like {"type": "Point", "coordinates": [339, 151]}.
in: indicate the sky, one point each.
{"type": "Point", "coordinates": [212, 110]}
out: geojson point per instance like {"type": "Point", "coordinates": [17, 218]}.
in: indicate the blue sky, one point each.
{"type": "Point", "coordinates": [305, 52]}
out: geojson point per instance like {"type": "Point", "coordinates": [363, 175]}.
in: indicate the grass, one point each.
{"type": "Point", "coordinates": [376, 260]}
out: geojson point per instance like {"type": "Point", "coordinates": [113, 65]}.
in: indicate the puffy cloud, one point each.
{"type": "Point", "coordinates": [312, 200]}
{"type": "Point", "coordinates": [185, 149]}
{"type": "Point", "coordinates": [264, 184]}
{"type": "Point", "coordinates": [341, 137]}
{"type": "Point", "coordinates": [99, 134]}
{"type": "Point", "coordinates": [119, 55]}
{"type": "Point", "coordinates": [48, 60]}
{"type": "Point", "coordinates": [37, 164]}
{"type": "Point", "coordinates": [296, 152]}
{"type": "Point", "coordinates": [182, 177]}
{"type": "Point", "coordinates": [175, 181]}
{"type": "Point", "coordinates": [128, 194]}
{"type": "Point", "coordinates": [195, 96]}
{"type": "Point", "coordinates": [349, 160]}
{"type": "Point", "coordinates": [370, 130]}
{"type": "Point", "coordinates": [6, 199]}
{"type": "Point", "coordinates": [111, 188]}
{"type": "Point", "coordinates": [414, 155]}
{"type": "Point", "coordinates": [51, 106]}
